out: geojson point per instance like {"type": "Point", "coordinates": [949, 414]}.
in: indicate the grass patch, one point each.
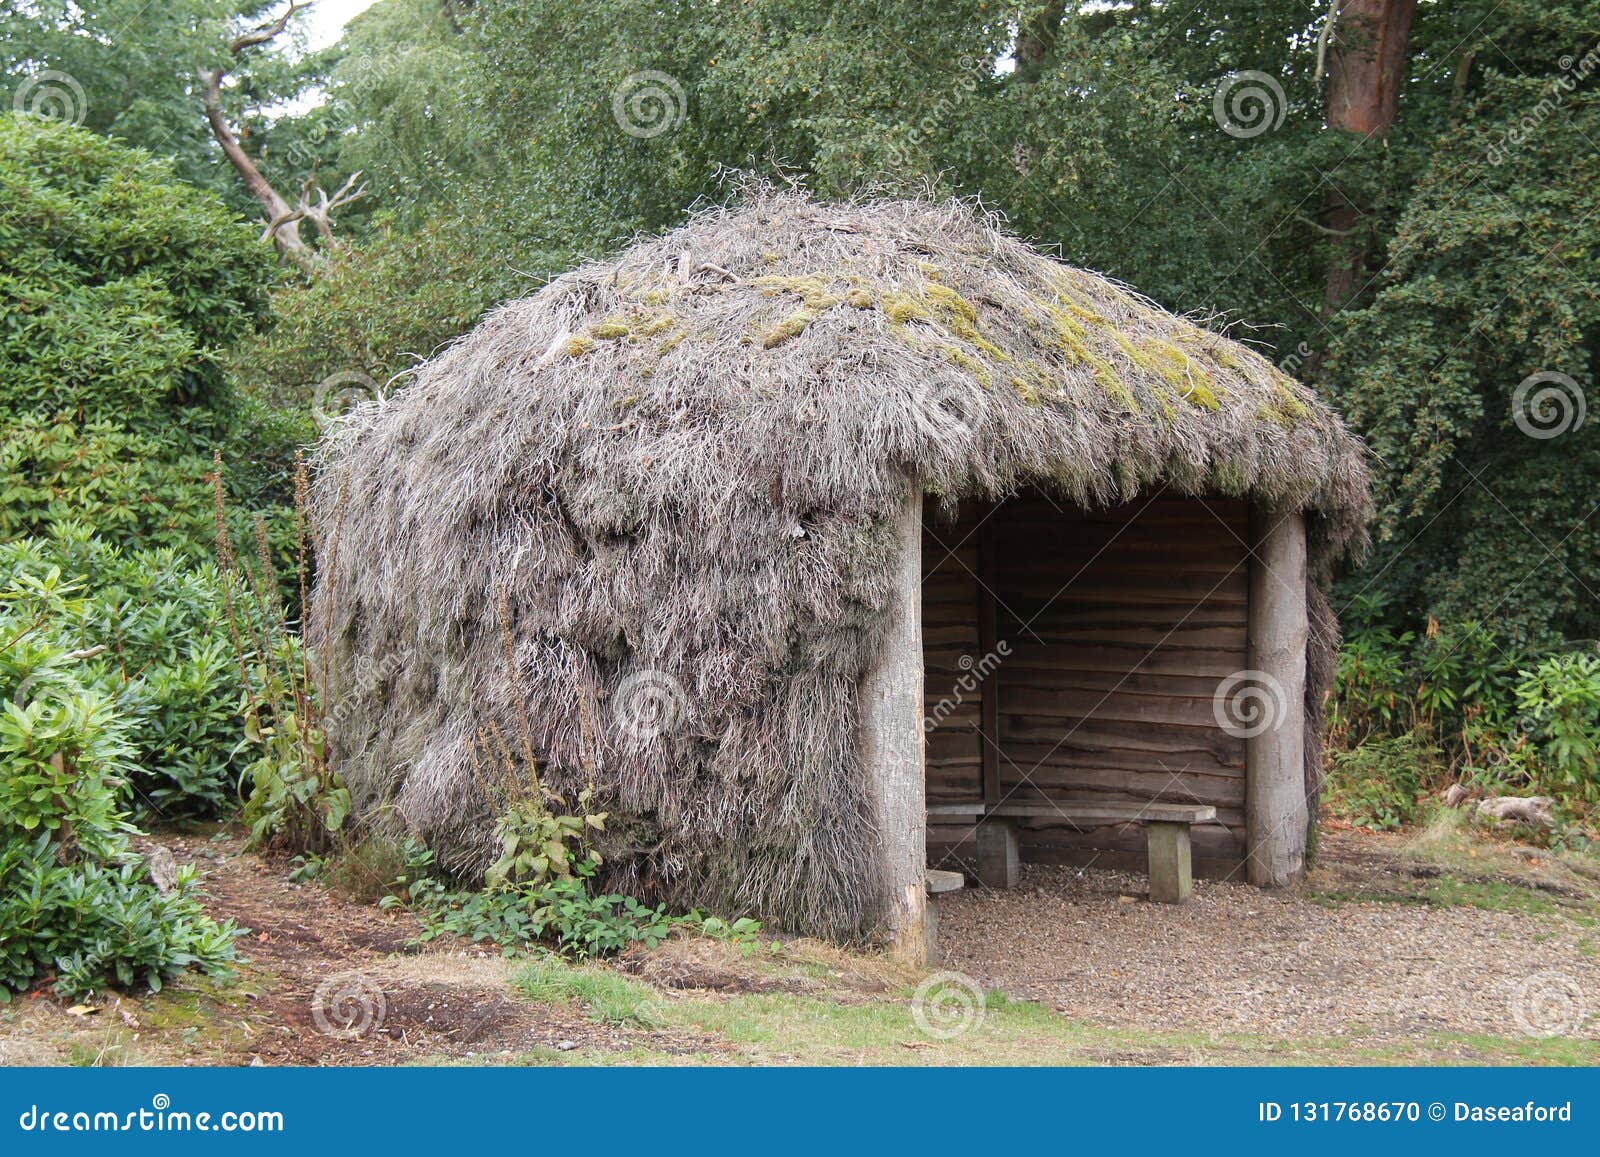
{"type": "Point", "coordinates": [110, 1049]}
{"type": "Point", "coordinates": [801, 1029]}
{"type": "Point", "coordinates": [606, 997]}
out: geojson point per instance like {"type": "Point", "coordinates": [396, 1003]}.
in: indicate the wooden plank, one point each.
{"type": "Point", "coordinates": [1128, 613]}
{"type": "Point", "coordinates": [1087, 734]}
{"type": "Point", "coordinates": [1078, 811]}
{"type": "Point", "coordinates": [1070, 811]}
{"type": "Point", "coordinates": [1038, 756]}
{"type": "Point", "coordinates": [1162, 581]}
{"type": "Point", "coordinates": [1177, 786]}
{"type": "Point", "coordinates": [1215, 662]}
{"type": "Point", "coordinates": [1111, 704]}
{"type": "Point", "coordinates": [1209, 840]}
{"type": "Point", "coordinates": [1229, 817]}
{"type": "Point", "coordinates": [1132, 683]}
{"type": "Point", "coordinates": [964, 808]}
{"type": "Point", "coordinates": [1177, 636]}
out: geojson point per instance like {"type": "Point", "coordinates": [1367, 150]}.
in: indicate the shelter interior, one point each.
{"type": "Point", "coordinates": [1074, 656]}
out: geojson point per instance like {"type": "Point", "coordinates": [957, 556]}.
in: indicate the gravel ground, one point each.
{"type": "Point", "coordinates": [1235, 959]}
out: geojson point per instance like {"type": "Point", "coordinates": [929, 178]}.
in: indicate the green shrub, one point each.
{"type": "Point", "coordinates": [1561, 701]}
{"type": "Point", "coordinates": [120, 286]}
{"type": "Point", "coordinates": [368, 870]}
{"type": "Point", "coordinates": [1502, 716]}
{"type": "Point", "coordinates": [76, 900]}
{"type": "Point", "coordinates": [1377, 784]}
{"type": "Point", "coordinates": [97, 925]}
{"type": "Point", "coordinates": [151, 629]}
{"type": "Point", "coordinates": [559, 912]}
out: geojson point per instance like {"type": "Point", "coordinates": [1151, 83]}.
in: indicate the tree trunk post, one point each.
{"type": "Point", "coordinates": [891, 748]}
{"type": "Point", "coordinates": [1276, 818]}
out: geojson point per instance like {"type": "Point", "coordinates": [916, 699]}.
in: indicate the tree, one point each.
{"type": "Point", "coordinates": [1370, 42]}
{"type": "Point", "coordinates": [314, 203]}
{"type": "Point", "coordinates": [172, 78]}
{"type": "Point", "coordinates": [1361, 220]}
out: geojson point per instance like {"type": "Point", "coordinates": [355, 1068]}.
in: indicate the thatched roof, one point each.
{"type": "Point", "coordinates": [675, 469]}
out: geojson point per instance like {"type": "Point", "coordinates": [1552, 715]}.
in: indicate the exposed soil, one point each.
{"type": "Point", "coordinates": [1360, 951]}
{"type": "Point", "coordinates": [382, 1000]}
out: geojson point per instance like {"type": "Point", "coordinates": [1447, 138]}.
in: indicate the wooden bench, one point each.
{"type": "Point", "coordinates": [1169, 861]}
{"type": "Point", "coordinates": [937, 883]}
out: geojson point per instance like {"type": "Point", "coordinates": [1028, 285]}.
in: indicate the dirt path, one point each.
{"type": "Point", "coordinates": [381, 1000]}
{"type": "Point", "coordinates": [1332, 960]}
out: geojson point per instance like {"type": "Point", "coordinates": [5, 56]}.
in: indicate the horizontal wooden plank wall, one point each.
{"type": "Point", "coordinates": [1120, 624]}
{"type": "Point", "coordinates": [950, 647]}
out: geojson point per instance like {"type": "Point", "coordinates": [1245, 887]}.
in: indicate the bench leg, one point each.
{"type": "Point", "coordinates": [1171, 869]}
{"type": "Point", "coordinates": [998, 863]}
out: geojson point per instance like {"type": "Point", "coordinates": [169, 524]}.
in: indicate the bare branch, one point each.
{"type": "Point", "coordinates": [268, 32]}
{"type": "Point", "coordinates": [282, 228]}
{"type": "Point", "coordinates": [1325, 36]}
{"type": "Point", "coordinates": [1321, 228]}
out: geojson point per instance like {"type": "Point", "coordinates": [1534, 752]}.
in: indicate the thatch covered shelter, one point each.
{"type": "Point", "coordinates": [802, 528]}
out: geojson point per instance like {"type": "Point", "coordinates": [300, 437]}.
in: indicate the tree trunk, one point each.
{"type": "Point", "coordinates": [1036, 37]}
{"type": "Point", "coordinates": [283, 223]}
{"type": "Point", "coordinates": [1277, 816]}
{"type": "Point", "coordinates": [1366, 70]}
{"type": "Point", "coordinates": [890, 746]}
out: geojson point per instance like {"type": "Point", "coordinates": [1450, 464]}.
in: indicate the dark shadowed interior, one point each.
{"type": "Point", "coordinates": [1074, 655]}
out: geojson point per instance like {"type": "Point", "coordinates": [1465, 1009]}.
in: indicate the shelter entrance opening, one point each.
{"type": "Point", "coordinates": [1072, 666]}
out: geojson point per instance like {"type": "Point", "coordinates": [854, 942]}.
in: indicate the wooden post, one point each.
{"type": "Point", "coordinates": [1168, 860]}
{"type": "Point", "coordinates": [999, 865]}
{"type": "Point", "coordinates": [891, 747]}
{"type": "Point", "coordinates": [1276, 819]}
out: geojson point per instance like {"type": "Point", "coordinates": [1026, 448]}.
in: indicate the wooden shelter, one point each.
{"type": "Point", "coordinates": [828, 541]}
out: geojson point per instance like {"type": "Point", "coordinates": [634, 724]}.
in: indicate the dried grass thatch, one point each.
{"type": "Point", "coordinates": [675, 470]}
